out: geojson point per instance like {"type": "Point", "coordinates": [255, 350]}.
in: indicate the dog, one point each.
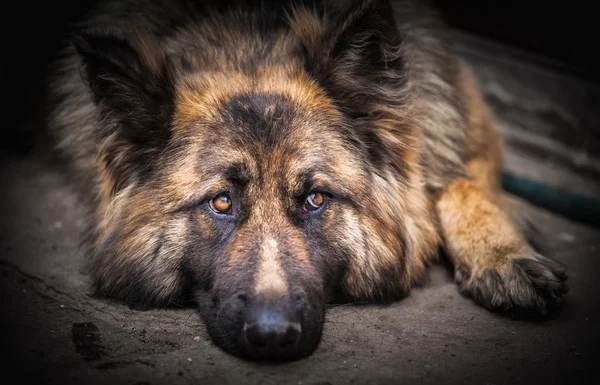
{"type": "Point", "coordinates": [263, 159]}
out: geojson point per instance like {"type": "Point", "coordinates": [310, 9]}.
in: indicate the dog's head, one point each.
{"type": "Point", "coordinates": [261, 178]}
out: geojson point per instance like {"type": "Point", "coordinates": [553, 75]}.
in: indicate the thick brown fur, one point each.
{"type": "Point", "coordinates": [268, 103]}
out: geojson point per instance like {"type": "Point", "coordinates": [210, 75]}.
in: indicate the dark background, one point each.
{"type": "Point", "coordinates": [565, 32]}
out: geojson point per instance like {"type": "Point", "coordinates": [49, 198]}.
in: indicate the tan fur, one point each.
{"type": "Point", "coordinates": [149, 49]}
{"type": "Point", "coordinates": [308, 28]}
{"type": "Point", "coordinates": [478, 233]}
{"type": "Point", "coordinates": [270, 279]}
{"type": "Point", "coordinates": [198, 96]}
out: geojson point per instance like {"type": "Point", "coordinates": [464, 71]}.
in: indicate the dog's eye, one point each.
{"type": "Point", "coordinates": [221, 204]}
{"type": "Point", "coordinates": [314, 201]}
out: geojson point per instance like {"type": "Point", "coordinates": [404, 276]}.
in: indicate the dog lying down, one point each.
{"type": "Point", "coordinates": [264, 158]}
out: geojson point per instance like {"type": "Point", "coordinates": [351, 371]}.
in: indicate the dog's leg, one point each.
{"type": "Point", "coordinates": [494, 264]}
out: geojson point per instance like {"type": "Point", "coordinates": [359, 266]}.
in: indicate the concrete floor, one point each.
{"type": "Point", "coordinates": [53, 332]}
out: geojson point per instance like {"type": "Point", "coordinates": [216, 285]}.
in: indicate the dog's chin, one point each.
{"type": "Point", "coordinates": [239, 351]}
{"type": "Point", "coordinates": [225, 326]}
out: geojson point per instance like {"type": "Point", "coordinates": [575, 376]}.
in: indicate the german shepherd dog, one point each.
{"type": "Point", "coordinates": [265, 158]}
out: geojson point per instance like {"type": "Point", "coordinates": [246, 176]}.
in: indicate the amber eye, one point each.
{"type": "Point", "coordinates": [314, 201]}
{"type": "Point", "coordinates": [221, 204]}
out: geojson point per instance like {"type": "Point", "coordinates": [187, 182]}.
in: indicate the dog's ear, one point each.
{"type": "Point", "coordinates": [357, 59]}
{"type": "Point", "coordinates": [360, 63]}
{"type": "Point", "coordinates": [130, 82]}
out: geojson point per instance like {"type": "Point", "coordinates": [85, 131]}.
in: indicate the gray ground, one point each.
{"type": "Point", "coordinates": [54, 332]}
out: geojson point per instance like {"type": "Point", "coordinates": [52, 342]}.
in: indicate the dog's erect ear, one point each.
{"type": "Point", "coordinates": [360, 63]}
{"type": "Point", "coordinates": [357, 58]}
{"type": "Point", "coordinates": [130, 83]}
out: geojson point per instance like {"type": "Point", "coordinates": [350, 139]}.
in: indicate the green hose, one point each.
{"type": "Point", "coordinates": [560, 201]}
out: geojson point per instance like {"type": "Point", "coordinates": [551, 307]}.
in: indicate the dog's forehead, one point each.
{"type": "Point", "coordinates": [276, 127]}
{"type": "Point", "coordinates": [263, 119]}
{"type": "Point", "coordinates": [285, 136]}
{"type": "Point", "coordinates": [270, 129]}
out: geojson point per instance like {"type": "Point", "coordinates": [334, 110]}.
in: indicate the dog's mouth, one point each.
{"type": "Point", "coordinates": [285, 329]}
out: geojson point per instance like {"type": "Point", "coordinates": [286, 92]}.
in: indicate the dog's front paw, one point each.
{"type": "Point", "coordinates": [522, 286]}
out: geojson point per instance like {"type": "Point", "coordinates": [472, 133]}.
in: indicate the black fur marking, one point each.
{"type": "Point", "coordinates": [367, 31]}
{"type": "Point", "coordinates": [226, 305]}
{"type": "Point", "coordinates": [239, 174]}
{"type": "Point", "coordinates": [262, 117]}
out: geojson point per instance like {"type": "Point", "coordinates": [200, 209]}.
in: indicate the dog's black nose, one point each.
{"type": "Point", "coordinates": [270, 333]}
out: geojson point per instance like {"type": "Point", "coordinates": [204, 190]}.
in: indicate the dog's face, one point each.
{"type": "Point", "coordinates": [275, 191]}
{"type": "Point", "coordinates": [259, 190]}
